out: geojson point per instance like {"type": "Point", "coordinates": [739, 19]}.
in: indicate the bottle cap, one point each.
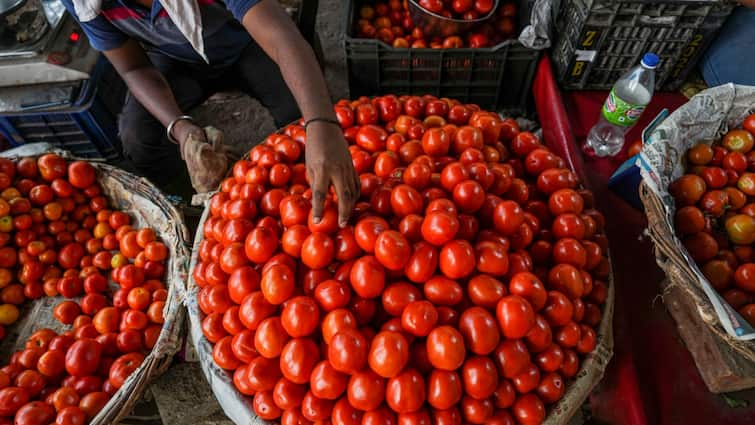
{"type": "Point", "coordinates": [650, 60]}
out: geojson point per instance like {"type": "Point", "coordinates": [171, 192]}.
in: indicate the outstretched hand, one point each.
{"type": "Point", "coordinates": [328, 162]}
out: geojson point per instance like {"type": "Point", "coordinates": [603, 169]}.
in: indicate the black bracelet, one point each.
{"type": "Point", "coordinates": [319, 119]}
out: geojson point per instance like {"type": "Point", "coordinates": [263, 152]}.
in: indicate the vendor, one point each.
{"type": "Point", "coordinates": [174, 54]}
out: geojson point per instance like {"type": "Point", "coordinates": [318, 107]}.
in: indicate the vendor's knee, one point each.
{"type": "Point", "coordinates": [144, 145]}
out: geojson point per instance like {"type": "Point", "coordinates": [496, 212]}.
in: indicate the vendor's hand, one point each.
{"type": "Point", "coordinates": [204, 154]}
{"type": "Point", "coordinates": [329, 162]}
{"type": "Point", "coordinates": [184, 128]}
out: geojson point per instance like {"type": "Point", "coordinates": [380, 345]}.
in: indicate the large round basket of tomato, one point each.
{"type": "Point", "coordinates": [472, 283]}
{"type": "Point", "coordinates": [92, 262]}
{"type": "Point", "coordinates": [699, 191]}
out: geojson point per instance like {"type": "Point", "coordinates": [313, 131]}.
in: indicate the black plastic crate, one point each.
{"type": "Point", "coordinates": [496, 78]}
{"type": "Point", "coordinates": [597, 41]}
{"type": "Point", "coordinates": [88, 128]}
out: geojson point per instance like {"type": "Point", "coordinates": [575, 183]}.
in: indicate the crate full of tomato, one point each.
{"type": "Point", "coordinates": [476, 51]}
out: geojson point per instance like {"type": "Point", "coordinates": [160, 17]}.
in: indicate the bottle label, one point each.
{"type": "Point", "coordinates": [618, 112]}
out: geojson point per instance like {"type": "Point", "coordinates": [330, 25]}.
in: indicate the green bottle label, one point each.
{"type": "Point", "coordinates": [618, 112]}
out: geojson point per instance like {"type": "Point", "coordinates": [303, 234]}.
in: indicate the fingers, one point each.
{"type": "Point", "coordinates": [319, 190]}
{"type": "Point", "coordinates": [346, 189]}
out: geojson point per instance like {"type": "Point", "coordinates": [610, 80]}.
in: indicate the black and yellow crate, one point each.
{"type": "Point", "coordinates": [599, 40]}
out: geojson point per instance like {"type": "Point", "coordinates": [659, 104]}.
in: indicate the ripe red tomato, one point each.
{"type": "Point", "coordinates": [405, 392]}
{"type": "Point", "coordinates": [123, 367]}
{"type": "Point", "coordinates": [81, 174]}
{"type": "Point", "coordinates": [300, 316]}
{"type": "Point", "coordinates": [347, 351]}
{"type": "Point", "coordinates": [457, 259]}
{"type": "Point", "coordinates": [367, 277]}
{"type": "Point", "coordinates": [83, 357]}
{"type": "Point", "coordinates": [480, 331]}
{"type": "Point", "coordinates": [298, 359]}
{"type": "Point", "coordinates": [445, 348]}
{"type": "Point", "coordinates": [515, 316]}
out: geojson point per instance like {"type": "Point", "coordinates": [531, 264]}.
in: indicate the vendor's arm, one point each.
{"type": "Point", "coordinates": [143, 80]}
{"type": "Point", "coordinates": [327, 156]}
{"type": "Point", "coordinates": [748, 3]}
{"type": "Point", "coordinates": [149, 87]}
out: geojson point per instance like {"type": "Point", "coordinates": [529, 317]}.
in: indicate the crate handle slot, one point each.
{"type": "Point", "coordinates": [666, 21]}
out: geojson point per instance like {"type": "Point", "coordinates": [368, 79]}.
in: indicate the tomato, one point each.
{"type": "Point", "coordinates": [439, 228]}
{"type": "Point", "coordinates": [316, 409]}
{"type": "Point", "coordinates": [741, 229]}
{"type": "Point", "coordinates": [326, 382]}
{"type": "Point", "coordinates": [347, 351]}
{"type": "Point", "coordinates": [397, 296]}
{"type": "Point", "coordinates": [419, 318]}
{"type": "Point", "coordinates": [445, 348]}
{"type": "Point", "coordinates": [262, 374]}
{"type": "Point", "coordinates": [317, 251]}
{"type": "Point", "coordinates": [744, 277]}
{"type": "Point", "coordinates": [701, 246]}
{"type": "Point", "coordinates": [270, 337]}
{"type": "Point", "coordinates": [300, 316]}
{"type": "Point", "coordinates": [332, 294]}
{"type": "Point", "coordinates": [367, 230]}
{"type": "Point", "coordinates": [51, 167]}
{"type": "Point", "coordinates": [515, 316]}
{"type": "Point", "coordinates": [406, 200]}
{"type": "Point", "coordinates": [66, 312]}
{"type": "Point", "coordinates": [492, 258]}
{"type": "Point", "coordinates": [405, 392]}
{"type": "Point", "coordinates": [457, 259]}
{"type": "Point", "coordinates": [443, 291]}
{"type": "Point", "coordinates": [436, 142]}
{"type": "Point", "coordinates": [35, 413]}
{"type": "Point", "coordinates": [480, 377]}
{"type": "Point", "coordinates": [83, 357]}
{"type": "Point", "coordinates": [92, 403]}
{"type": "Point", "coordinates": [738, 141]}
{"type": "Point", "coordinates": [123, 367]}
{"type": "Point", "coordinates": [336, 321]}
{"type": "Point", "coordinates": [366, 390]}
{"type": "Point", "coordinates": [32, 381]}
{"type": "Point", "coordinates": [81, 174]}
{"type": "Point", "coordinates": [479, 330]}
{"type": "Point", "coordinates": [298, 359]}
{"type": "Point", "coordinates": [529, 409]}
{"type": "Point", "coordinates": [11, 399]}
{"type": "Point", "coordinates": [277, 284]}
{"type": "Point", "coordinates": [386, 163]}
{"type": "Point", "coordinates": [747, 312]}
{"type": "Point", "coordinates": [367, 277]}
{"type": "Point", "coordinates": [371, 138]}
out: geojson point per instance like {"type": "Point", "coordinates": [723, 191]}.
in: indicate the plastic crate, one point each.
{"type": "Point", "coordinates": [88, 128]}
{"type": "Point", "coordinates": [497, 78]}
{"type": "Point", "coordinates": [597, 41]}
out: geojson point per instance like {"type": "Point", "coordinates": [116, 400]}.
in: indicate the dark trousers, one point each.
{"type": "Point", "coordinates": [144, 141]}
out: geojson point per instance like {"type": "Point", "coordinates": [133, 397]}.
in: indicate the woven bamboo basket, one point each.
{"type": "Point", "coordinates": [238, 407]}
{"type": "Point", "coordinates": [147, 206]}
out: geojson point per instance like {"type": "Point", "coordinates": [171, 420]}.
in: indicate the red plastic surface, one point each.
{"type": "Point", "coordinates": [652, 378]}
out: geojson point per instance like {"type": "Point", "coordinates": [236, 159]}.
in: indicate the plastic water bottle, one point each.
{"type": "Point", "coordinates": [623, 108]}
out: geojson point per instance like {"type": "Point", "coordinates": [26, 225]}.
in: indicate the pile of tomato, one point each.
{"type": "Point", "coordinates": [58, 238]}
{"type": "Point", "coordinates": [465, 287]}
{"type": "Point", "coordinates": [391, 23]}
{"type": "Point", "coordinates": [715, 215]}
